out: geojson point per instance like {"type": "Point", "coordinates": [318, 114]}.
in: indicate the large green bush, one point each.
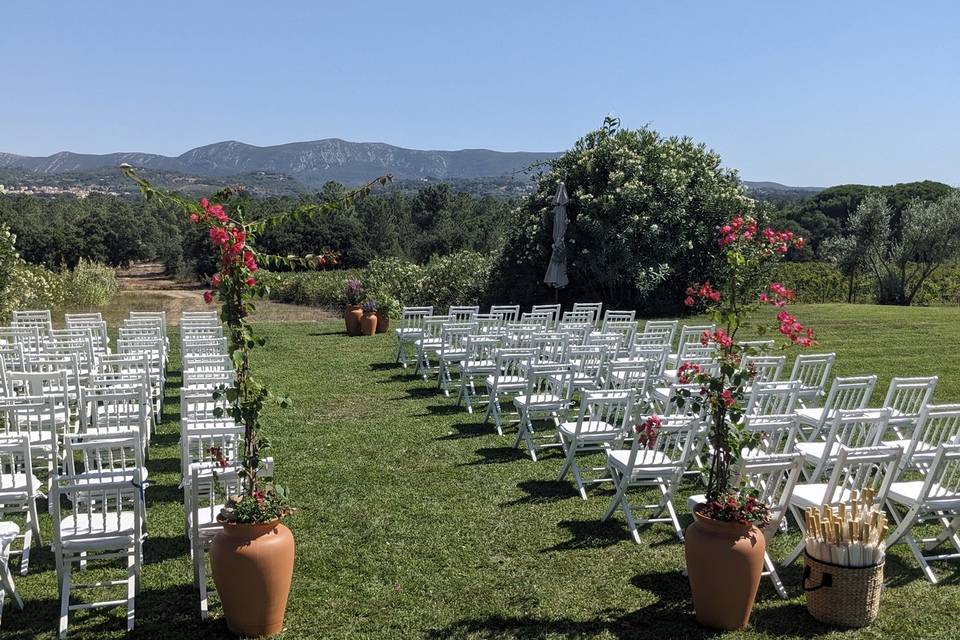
{"type": "Point", "coordinates": [24, 286]}
{"type": "Point", "coordinates": [460, 278]}
{"type": "Point", "coordinates": [644, 212]}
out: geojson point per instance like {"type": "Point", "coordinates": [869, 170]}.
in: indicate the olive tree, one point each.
{"type": "Point", "coordinates": [644, 212]}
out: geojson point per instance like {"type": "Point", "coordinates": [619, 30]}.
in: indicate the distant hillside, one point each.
{"type": "Point", "coordinates": [777, 192]}
{"type": "Point", "coordinates": [310, 163]}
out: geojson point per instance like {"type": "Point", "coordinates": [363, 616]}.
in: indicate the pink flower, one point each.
{"type": "Point", "coordinates": [727, 397]}
{"type": "Point", "coordinates": [215, 280]}
{"type": "Point", "coordinates": [250, 282]}
{"type": "Point", "coordinates": [194, 218]}
{"type": "Point", "coordinates": [208, 296]}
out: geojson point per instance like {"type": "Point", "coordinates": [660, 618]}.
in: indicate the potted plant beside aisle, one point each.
{"type": "Point", "coordinates": [368, 321]}
{"type": "Point", "coordinates": [353, 292]}
{"type": "Point", "coordinates": [724, 547]}
{"type": "Point", "coordinates": [252, 557]}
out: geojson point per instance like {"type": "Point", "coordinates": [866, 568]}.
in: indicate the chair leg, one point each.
{"type": "Point", "coordinates": [64, 598]}
{"type": "Point", "coordinates": [774, 576]}
{"type": "Point", "coordinates": [133, 569]}
{"type": "Point", "coordinates": [201, 568]}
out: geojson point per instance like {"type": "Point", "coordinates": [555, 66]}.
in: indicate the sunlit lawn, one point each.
{"type": "Point", "coordinates": [416, 521]}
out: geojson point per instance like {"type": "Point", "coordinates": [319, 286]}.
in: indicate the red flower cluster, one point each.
{"type": "Point", "coordinates": [718, 337]}
{"type": "Point", "coordinates": [231, 239]}
{"type": "Point", "coordinates": [687, 372]}
{"type": "Point", "coordinates": [217, 454]}
{"type": "Point", "coordinates": [745, 229]}
{"type": "Point", "coordinates": [793, 330]}
{"type": "Point", "coordinates": [647, 431]}
{"type": "Point", "coordinates": [778, 296]}
{"type": "Point", "coordinates": [743, 507]}
{"type": "Point", "coordinates": [705, 292]}
{"type": "Point", "coordinates": [727, 397]}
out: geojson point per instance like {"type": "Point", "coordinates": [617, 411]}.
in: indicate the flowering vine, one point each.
{"type": "Point", "coordinates": [743, 287]}
{"type": "Point", "coordinates": [233, 239]}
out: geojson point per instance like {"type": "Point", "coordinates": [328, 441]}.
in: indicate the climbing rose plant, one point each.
{"type": "Point", "coordinates": [234, 286]}
{"type": "Point", "coordinates": [743, 288]}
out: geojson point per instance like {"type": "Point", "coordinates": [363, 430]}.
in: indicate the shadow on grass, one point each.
{"type": "Point", "coordinates": [543, 491]}
{"type": "Point", "coordinates": [497, 455]}
{"type": "Point", "coordinates": [670, 616]}
{"type": "Point", "coordinates": [467, 430]}
{"type": "Point", "coordinates": [332, 332]}
{"type": "Point", "coordinates": [591, 534]}
{"type": "Point", "coordinates": [385, 366]}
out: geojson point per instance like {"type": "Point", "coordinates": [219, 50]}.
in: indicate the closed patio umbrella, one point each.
{"type": "Point", "coordinates": [557, 269]}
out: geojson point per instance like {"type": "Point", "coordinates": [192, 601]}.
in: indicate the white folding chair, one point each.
{"type": "Point", "coordinates": [92, 523]}
{"type": "Point", "coordinates": [936, 497]}
{"type": "Point", "coordinates": [853, 428]}
{"type": "Point", "coordinates": [647, 464]}
{"type": "Point", "coordinates": [463, 313]}
{"type": "Point", "coordinates": [451, 350]}
{"type": "Point", "coordinates": [666, 329]}
{"type": "Point", "coordinates": [905, 398]}
{"type": "Point", "coordinates": [509, 312]}
{"type": "Point", "coordinates": [689, 337]}
{"type": "Point", "coordinates": [845, 393]}
{"type": "Point", "coordinates": [547, 396]}
{"type": "Point", "coordinates": [479, 360]}
{"type": "Point", "coordinates": [9, 531]}
{"type": "Point", "coordinates": [410, 330]}
{"type": "Point", "coordinates": [509, 377]}
{"type": "Point", "coordinates": [204, 506]}
{"type": "Point", "coordinates": [937, 424]}
{"type": "Point", "coordinates": [855, 469]}
{"type": "Point", "coordinates": [601, 421]}
{"type": "Point", "coordinates": [552, 309]}
{"type": "Point", "coordinates": [766, 368]}
{"type": "Point", "coordinates": [593, 308]}
{"type": "Point", "coordinates": [19, 490]}
{"type": "Point", "coordinates": [429, 341]}
{"type": "Point", "coordinates": [772, 398]}
{"type": "Point", "coordinates": [813, 371]}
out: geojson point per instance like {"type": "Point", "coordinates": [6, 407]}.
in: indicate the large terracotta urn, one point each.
{"type": "Point", "coordinates": [383, 322]}
{"type": "Point", "coordinates": [724, 563]}
{"type": "Point", "coordinates": [351, 318]}
{"type": "Point", "coordinates": [368, 324]}
{"type": "Point", "coordinates": [252, 567]}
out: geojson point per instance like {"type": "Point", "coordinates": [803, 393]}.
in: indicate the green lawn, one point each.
{"type": "Point", "coordinates": [417, 522]}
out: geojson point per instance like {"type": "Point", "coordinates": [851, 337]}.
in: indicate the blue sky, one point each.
{"type": "Point", "coordinates": [805, 93]}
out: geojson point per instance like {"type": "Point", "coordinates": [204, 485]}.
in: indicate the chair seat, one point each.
{"type": "Point", "coordinates": [908, 493]}
{"type": "Point", "coordinates": [812, 495]}
{"type": "Point", "coordinates": [507, 383]}
{"type": "Point", "coordinates": [814, 451]}
{"type": "Point", "coordinates": [15, 484]}
{"type": "Point", "coordinates": [596, 430]}
{"type": "Point", "coordinates": [661, 394]}
{"type": "Point", "coordinates": [670, 376]}
{"type": "Point", "coordinates": [207, 520]}
{"type": "Point", "coordinates": [8, 533]}
{"type": "Point", "coordinates": [81, 531]}
{"type": "Point", "coordinates": [539, 401]}
{"type": "Point", "coordinates": [810, 416]}
{"type": "Point", "coordinates": [478, 366]}
{"type": "Point", "coordinates": [409, 333]}
{"type": "Point", "coordinates": [115, 475]}
{"type": "Point", "coordinates": [649, 462]}
{"type": "Point", "coordinates": [452, 356]}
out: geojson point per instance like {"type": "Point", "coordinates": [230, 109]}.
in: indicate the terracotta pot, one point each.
{"type": "Point", "coordinates": [351, 317]}
{"type": "Point", "coordinates": [724, 562]}
{"type": "Point", "coordinates": [252, 568]}
{"type": "Point", "coordinates": [368, 324]}
{"type": "Point", "coordinates": [383, 322]}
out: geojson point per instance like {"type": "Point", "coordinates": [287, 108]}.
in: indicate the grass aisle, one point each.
{"type": "Point", "coordinates": [417, 522]}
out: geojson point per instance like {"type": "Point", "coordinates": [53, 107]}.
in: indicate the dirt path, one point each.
{"type": "Point", "coordinates": [146, 286]}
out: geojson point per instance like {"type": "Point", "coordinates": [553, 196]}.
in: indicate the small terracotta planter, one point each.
{"type": "Point", "coordinates": [383, 322]}
{"type": "Point", "coordinates": [724, 563]}
{"type": "Point", "coordinates": [368, 324]}
{"type": "Point", "coordinates": [351, 318]}
{"type": "Point", "coordinates": [252, 568]}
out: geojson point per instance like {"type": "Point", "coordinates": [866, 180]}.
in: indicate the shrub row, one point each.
{"type": "Point", "coordinates": [820, 282]}
{"type": "Point", "coordinates": [458, 278]}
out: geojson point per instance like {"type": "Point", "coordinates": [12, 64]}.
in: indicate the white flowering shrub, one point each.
{"type": "Point", "coordinates": [643, 217]}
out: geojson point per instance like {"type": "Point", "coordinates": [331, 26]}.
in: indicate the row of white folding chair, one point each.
{"type": "Point", "coordinates": [19, 491]}
{"type": "Point", "coordinates": [95, 324]}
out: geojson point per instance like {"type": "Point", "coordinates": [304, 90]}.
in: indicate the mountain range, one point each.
{"type": "Point", "coordinates": [311, 163]}
{"type": "Point", "coordinates": [299, 167]}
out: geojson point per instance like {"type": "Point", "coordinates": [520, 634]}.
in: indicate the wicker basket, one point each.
{"type": "Point", "coordinates": [844, 596]}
